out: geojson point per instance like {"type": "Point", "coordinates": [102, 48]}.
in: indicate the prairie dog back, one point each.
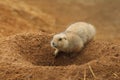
{"type": "Point", "coordinates": [85, 31]}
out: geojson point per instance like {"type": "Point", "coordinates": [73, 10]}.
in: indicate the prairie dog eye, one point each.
{"type": "Point", "coordinates": [60, 39]}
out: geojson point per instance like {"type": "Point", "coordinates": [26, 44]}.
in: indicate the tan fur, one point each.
{"type": "Point", "coordinates": [74, 38]}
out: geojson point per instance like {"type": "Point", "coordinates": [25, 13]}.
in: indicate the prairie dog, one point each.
{"type": "Point", "coordinates": [73, 38]}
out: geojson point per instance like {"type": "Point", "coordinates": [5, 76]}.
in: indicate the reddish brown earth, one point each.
{"type": "Point", "coordinates": [27, 27]}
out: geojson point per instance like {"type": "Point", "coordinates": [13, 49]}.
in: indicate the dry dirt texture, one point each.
{"type": "Point", "coordinates": [27, 27]}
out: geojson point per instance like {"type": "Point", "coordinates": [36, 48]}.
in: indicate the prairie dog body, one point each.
{"type": "Point", "coordinates": [74, 38]}
{"type": "Point", "coordinates": [85, 31]}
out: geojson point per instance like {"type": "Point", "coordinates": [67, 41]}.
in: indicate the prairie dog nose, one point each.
{"type": "Point", "coordinates": [54, 44]}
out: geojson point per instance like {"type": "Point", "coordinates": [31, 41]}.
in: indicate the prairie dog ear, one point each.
{"type": "Point", "coordinates": [65, 38]}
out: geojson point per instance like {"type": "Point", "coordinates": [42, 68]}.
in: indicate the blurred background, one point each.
{"type": "Point", "coordinates": [54, 16]}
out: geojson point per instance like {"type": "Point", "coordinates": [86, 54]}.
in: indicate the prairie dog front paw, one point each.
{"type": "Point", "coordinates": [56, 52]}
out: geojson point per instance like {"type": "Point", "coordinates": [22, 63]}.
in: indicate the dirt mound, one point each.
{"type": "Point", "coordinates": [29, 56]}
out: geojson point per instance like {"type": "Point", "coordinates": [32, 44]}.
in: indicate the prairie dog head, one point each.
{"type": "Point", "coordinates": [59, 41]}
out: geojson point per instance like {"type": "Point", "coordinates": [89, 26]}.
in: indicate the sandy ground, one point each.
{"type": "Point", "coordinates": [27, 27]}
